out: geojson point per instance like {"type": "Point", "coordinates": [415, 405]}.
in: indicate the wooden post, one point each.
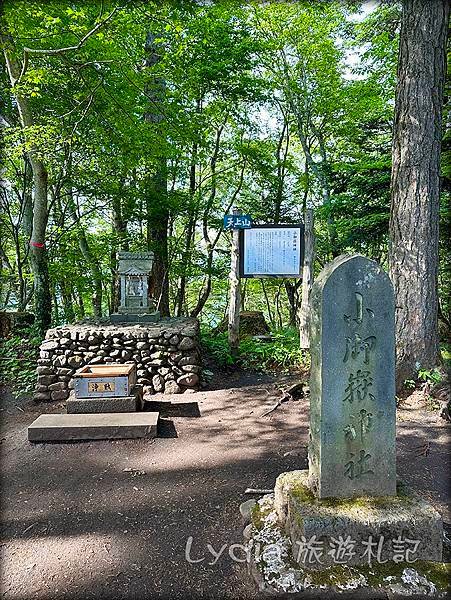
{"type": "Point", "coordinates": [235, 293]}
{"type": "Point", "coordinates": [307, 279]}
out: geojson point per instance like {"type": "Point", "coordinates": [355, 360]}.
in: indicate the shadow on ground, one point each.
{"type": "Point", "coordinates": [112, 519]}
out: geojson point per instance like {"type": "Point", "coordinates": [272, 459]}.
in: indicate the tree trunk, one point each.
{"type": "Point", "coordinates": [206, 288]}
{"type": "Point", "coordinates": [416, 183]}
{"type": "Point", "coordinates": [119, 225]}
{"type": "Point", "coordinates": [38, 255]}
{"type": "Point", "coordinates": [235, 295]}
{"type": "Point", "coordinates": [292, 295]}
{"type": "Point", "coordinates": [27, 229]}
{"type": "Point", "coordinates": [157, 239]}
{"type": "Point", "coordinates": [81, 304]}
{"type": "Point", "coordinates": [114, 289]}
{"type": "Point", "coordinates": [86, 250]}
{"type": "Point", "coordinates": [66, 296]}
{"type": "Point", "coordinates": [95, 271]}
{"type": "Point", "coordinates": [189, 236]}
{"type": "Point", "coordinates": [157, 192]}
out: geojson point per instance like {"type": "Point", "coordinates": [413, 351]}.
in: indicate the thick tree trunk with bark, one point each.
{"type": "Point", "coordinates": [157, 239]}
{"type": "Point", "coordinates": [416, 183]}
{"type": "Point", "coordinates": [157, 193]}
{"type": "Point", "coordinates": [38, 254]}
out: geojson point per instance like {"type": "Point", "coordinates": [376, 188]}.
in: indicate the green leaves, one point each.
{"type": "Point", "coordinates": [18, 358]}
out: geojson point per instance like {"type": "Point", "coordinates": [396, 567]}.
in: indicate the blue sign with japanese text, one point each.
{"type": "Point", "coordinates": [237, 222]}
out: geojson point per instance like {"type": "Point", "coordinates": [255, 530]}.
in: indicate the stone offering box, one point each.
{"type": "Point", "coordinates": [166, 355]}
{"type": "Point", "coordinates": [104, 381]}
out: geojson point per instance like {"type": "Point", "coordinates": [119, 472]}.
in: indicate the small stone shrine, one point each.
{"type": "Point", "coordinates": [348, 509]}
{"type": "Point", "coordinates": [134, 272]}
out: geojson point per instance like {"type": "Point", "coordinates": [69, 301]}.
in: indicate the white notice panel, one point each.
{"type": "Point", "coordinates": [272, 251]}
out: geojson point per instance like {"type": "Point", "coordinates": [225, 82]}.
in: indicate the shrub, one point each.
{"type": "Point", "coordinates": [18, 358]}
{"type": "Point", "coordinates": [282, 353]}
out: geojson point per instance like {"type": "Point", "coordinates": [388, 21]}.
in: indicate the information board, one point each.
{"type": "Point", "coordinates": [272, 251]}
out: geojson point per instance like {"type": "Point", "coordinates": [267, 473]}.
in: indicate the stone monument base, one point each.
{"type": "Point", "coordinates": [388, 528]}
{"type": "Point", "coordinates": [332, 532]}
{"type": "Point", "coordinates": [153, 317]}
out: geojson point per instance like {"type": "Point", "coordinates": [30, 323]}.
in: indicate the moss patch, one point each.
{"type": "Point", "coordinates": [304, 494]}
{"type": "Point", "coordinates": [376, 575]}
{"type": "Point", "coordinates": [258, 515]}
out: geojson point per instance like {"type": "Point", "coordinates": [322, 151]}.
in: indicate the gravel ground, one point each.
{"type": "Point", "coordinates": [112, 519]}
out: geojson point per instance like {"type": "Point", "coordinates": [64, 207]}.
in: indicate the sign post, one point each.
{"type": "Point", "coordinates": [237, 221]}
{"type": "Point", "coordinates": [259, 251]}
{"type": "Point", "coordinates": [235, 291]}
{"type": "Point", "coordinates": [307, 281]}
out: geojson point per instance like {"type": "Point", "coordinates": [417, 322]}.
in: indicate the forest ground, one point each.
{"type": "Point", "coordinates": [110, 519]}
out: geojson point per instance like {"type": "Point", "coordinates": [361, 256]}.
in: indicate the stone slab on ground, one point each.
{"type": "Point", "coordinates": [72, 427]}
{"type": "Point", "coordinates": [388, 527]}
{"type": "Point", "coordinates": [121, 404]}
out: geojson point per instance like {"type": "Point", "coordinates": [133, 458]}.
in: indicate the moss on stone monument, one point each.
{"type": "Point", "coordinates": [304, 494]}
{"type": "Point", "coordinates": [377, 574]}
{"type": "Point", "coordinates": [258, 515]}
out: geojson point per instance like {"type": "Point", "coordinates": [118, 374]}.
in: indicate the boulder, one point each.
{"type": "Point", "coordinates": [158, 383]}
{"type": "Point", "coordinates": [49, 345]}
{"type": "Point", "coordinates": [171, 387]}
{"type": "Point", "coordinates": [46, 379]}
{"type": "Point", "coordinates": [191, 368]}
{"type": "Point", "coordinates": [60, 395]}
{"type": "Point", "coordinates": [58, 386]}
{"type": "Point", "coordinates": [75, 361]}
{"type": "Point", "coordinates": [44, 371]}
{"type": "Point", "coordinates": [187, 343]}
{"type": "Point", "coordinates": [191, 359]}
{"type": "Point", "coordinates": [188, 380]}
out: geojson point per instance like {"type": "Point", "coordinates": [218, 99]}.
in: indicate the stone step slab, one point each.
{"type": "Point", "coordinates": [105, 426]}
{"type": "Point", "coordinates": [122, 404]}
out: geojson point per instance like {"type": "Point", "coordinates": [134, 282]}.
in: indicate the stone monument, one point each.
{"type": "Point", "coordinates": [348, 508]}
{"type": "Point", "coordinates": [136, 305]}
{"type": "Point", "coordinates": [352, 389]}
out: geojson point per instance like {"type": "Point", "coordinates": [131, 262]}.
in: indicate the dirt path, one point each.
{"type": "Point", "coordinates": [112, 519]}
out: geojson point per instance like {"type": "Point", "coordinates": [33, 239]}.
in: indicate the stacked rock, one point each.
{"type": "Point", "coordinates": [166, 354]}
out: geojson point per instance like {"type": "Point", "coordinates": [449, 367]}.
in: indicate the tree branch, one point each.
{"type": "Point", "coordinates": [55, 51]}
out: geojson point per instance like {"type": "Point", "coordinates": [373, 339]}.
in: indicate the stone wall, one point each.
{"type": "Point", "coordinates": [167, 355]}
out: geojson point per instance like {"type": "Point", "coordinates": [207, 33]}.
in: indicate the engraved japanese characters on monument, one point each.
{"type": "Point", "coordinates": [352, 405]}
